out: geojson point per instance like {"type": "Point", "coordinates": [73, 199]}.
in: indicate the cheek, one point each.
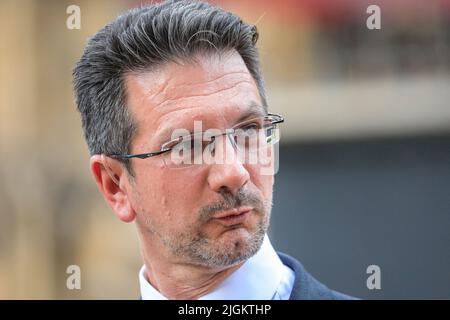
{"type": "Point", "coordinates": [263, 182]}
{"type": "Point", "coordinates": [170, 196]}
{"type": "Point", "coordinates": [267, 182]}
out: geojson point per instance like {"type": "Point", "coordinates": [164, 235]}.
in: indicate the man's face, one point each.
{"type": "Point", "coordinates": [176, 207]}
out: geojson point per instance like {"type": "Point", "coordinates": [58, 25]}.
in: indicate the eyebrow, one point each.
{"type": "Point", "coordinates": [253, 110]}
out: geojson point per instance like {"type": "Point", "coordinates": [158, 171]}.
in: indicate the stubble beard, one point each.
{"type": "Point", "coordinates": [196, 247]}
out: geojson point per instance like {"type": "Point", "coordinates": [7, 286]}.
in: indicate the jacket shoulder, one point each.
{"type": "Point", "coordinates": [306, 287]}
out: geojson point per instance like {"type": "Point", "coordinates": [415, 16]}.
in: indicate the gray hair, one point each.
{"type": "Point", "coordinates": [141, 39]}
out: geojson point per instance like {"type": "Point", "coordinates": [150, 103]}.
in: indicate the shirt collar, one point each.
{"type": "Point", "coordinates": [257, 279]}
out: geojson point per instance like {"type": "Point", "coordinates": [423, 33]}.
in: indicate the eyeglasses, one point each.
{"type": "Point", "coordinates": [251, 139]}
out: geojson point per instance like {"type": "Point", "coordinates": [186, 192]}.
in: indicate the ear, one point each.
{"type": "Point", "coordinates": [112, 181]}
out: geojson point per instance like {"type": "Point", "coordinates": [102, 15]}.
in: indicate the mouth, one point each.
{"type": "Point", "coordinates": [234, 216]}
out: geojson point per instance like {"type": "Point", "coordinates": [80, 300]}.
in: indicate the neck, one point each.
{"type": "Point", "coordinates": [175, 278]}
{"type": "Point", "coordinates": [185, 282]}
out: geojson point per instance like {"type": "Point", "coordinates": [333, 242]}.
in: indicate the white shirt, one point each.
{"type": "Point", "coordinates": [261, 277]}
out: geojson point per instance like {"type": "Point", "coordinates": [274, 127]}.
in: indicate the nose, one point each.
{"type": "Point", "coordinates": [228, 173]}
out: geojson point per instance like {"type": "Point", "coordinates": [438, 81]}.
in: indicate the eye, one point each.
{"type": "Point", "coordinates": [251, 128]}
{"type": "Point", "coordinates": [187, 143]}
{"type": "Point", "coordinates": [171, 144]}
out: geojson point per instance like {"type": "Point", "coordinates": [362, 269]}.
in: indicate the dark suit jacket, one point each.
{"type": "Point", "coordinates": [305, 286]}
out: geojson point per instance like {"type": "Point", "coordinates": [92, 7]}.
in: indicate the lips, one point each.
{"type": "Point", "coordinates": [234, 216]}
{"type": "Point", "coordinates": [232, 212]}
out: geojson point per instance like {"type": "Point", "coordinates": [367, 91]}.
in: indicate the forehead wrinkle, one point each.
{"type": "Point", "coordinates": [174, 91]}
{"type": "Point", "coordinates": [151, 77]}
{"type": "Point", "coordinates": [166, 86]}
{"type": "Point", "coordinates": [198, 95]}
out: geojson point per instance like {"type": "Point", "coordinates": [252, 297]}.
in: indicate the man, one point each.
{"type": "Point", "coordinates": [201, 201]}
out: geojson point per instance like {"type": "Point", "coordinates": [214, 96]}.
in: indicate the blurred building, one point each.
{"type": "Point", "coordinates": [365, 160]}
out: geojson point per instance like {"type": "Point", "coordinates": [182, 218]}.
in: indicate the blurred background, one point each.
{"type": "Point", "coordinates": [364, 173]}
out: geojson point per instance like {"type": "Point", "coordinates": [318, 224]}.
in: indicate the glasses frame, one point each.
{"type": "Point", "coordinates": [275, 119]}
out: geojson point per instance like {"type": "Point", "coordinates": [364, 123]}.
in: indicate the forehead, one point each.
{"type": "Point", "coordinates": [215, 89]}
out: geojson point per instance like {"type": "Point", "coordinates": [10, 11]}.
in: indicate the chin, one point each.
{"type": "Point", "coordinates": [237, 245]}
